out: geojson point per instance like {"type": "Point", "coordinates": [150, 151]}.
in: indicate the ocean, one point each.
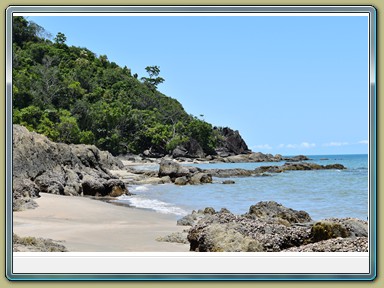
{"type": "Point", "coordinates": [322, 193]}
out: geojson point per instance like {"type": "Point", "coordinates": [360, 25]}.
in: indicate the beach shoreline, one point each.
{"type": "Point", "coordinates": [82, 224]}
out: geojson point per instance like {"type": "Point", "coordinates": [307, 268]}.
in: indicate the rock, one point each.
{"type": "Point", "coordinates": [225, 173]}
{"type": "Point", "coordinates": [224, 238]}
{"type": "Point", "coordinates": [271, 209]}
{"type": "Point", "coordinates": [237, 158]}
{"type": "Point", "coordinates": [299, 166]}
{"type": "Point", "coordinates": [325, 230]}
{"type": "Point", "coordinates": [152, 153]}
{"type": "Point", "coordinates": [92, 186]}
{"type": "Point", "coordinates": [61, 169]}
{"type": "Point", "coordinates": [359, 244]}
{"type": "Point", "coordinates": [182, 175]}
{"type": "Point", "coordinates": [114, 188]}
{"type": "Point", "coordinates": [26, 188]}
{"type": "Point", "coordinates": [269, 226]}
{"type": "Point", "coordinates": [189, 219]}
{"type": "Point", "coordinates": [179, 151]}
{"type": "Point", "coordinates": [296, 158]}
{"type": "Point", "coordinates": [165, 179]}
{"type": "Point", "coordinates": [228, 182]}
{"type": "Point", "coordinates": [265, 235]}
{"type": "Point", "coordinates": [354, 227]}
{"type": "Point", "coordinates": [176, 237]}
{"type": "Point", "coordinates": [260, 157]}
{"type": "Point", "coordinates": [32, 244]}
{"type": "Point", "coordinates": [181, 180]}
{"type": "Point", "coordinates": [189, 149]}
{"type": "Point", "coordinates": [172, 169]}
{"type": "Point", "coordinates": [200, 178]}
{"type": "Point", "coordinates": [209, 211]}
{"type": "Point", "coordinates": [24, 191]}
{"type": "Point", "coordinates": [334, 166]}
{"type": "Point", "coordinates": [278, 157]}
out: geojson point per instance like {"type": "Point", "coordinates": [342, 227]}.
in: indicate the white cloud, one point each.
{"type": "Point", "coordinates": [301, 145]}
{"type": "Point", "coordinates": [363, 142]}
{"type": "Point", "coordinates": [262, 146]}
{"type": "Point", "coordinates": [307, 145]}
{"type": "Point", "coordinates": [336, 144]}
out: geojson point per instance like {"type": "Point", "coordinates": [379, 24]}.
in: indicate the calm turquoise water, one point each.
{"type": "Point", "coordinates": [323, 194]}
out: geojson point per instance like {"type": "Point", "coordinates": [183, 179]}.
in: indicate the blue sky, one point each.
{"type": "Point", "coordinates": [290, 85]}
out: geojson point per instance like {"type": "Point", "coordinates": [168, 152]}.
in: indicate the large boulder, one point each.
{"type": "Point", "coordinates": [61, 169]}
{"type": "Point", "coordinates": [172, 169]}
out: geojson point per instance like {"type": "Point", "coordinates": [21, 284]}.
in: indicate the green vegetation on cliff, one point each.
{"type": "Point", "coordinates": [72, 95]}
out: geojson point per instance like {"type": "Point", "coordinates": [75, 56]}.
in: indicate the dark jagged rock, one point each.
{"type": "Point", "coordinates": [231, 143]}
{"type": "Point", "coordinates": [269, 226]}
{"type": "Point", "coordinates": [58, 168]}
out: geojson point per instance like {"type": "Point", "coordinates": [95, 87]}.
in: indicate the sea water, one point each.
{"type": "Point", "coordinates": [321, 193]}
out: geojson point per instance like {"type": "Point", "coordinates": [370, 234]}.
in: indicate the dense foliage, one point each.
{"type": "Point", "coordinates": [72, 95]}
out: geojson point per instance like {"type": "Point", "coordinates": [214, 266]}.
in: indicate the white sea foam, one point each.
{"type": "Point", "coordinates": [153, 204]}
{"type": "Point", "coordinates": [139, 188]}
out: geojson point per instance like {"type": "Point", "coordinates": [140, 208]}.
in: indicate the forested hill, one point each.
{"type": "Point", "coordinates": [72, 95]}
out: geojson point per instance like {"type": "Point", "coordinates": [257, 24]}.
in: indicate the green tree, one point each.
{"type": "Point", "coordinates": [154, 79]}
{"type": "Point", "coordinates": [60, 38]}
{"type": "Point", "coordinates": [203, 133]}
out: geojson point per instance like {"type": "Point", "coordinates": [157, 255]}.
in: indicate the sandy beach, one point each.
{"type": "Point", "coordinates": [88, 225]}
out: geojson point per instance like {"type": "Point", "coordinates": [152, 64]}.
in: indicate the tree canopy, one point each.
{"type": "Point", "coordinates": [72, 95]}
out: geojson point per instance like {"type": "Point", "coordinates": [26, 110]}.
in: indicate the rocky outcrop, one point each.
{"type": "Point", "coordinates": [269, 226]}
{"type": "Point", "coordinates": [299, 166]}
{"type": "Point", "coordinates": [40, 165]}
{"type": "Point", "coordinates": [266, 170]}
{"type": "Point", "coordinates": [32, 244]}
{"type": "Point", "coordinates": [296, 158]}
{"type": "Point", "coordinates": [248, 157]}
{"type": "Point", "coordinates": [230, 143]}
{"type": "Point", "coordinates": [183, 175]}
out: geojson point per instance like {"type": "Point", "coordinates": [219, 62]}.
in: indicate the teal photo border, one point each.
{"type": "Point", "coordinates": [197, 277]}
